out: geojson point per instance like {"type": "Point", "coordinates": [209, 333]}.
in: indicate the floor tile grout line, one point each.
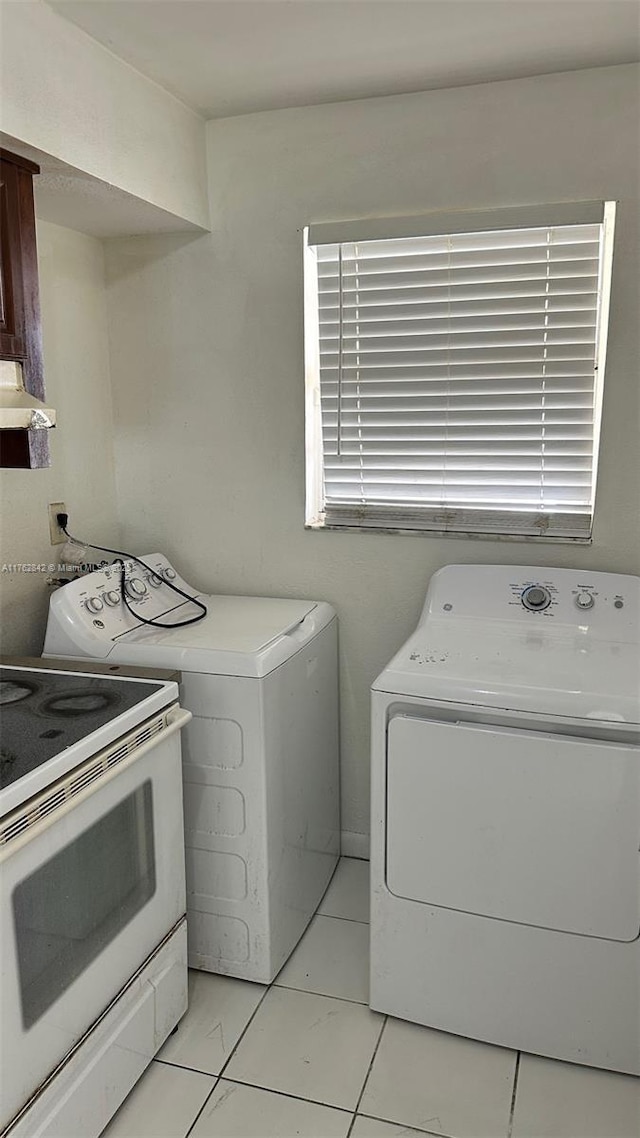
{"type": "Point", "coordinates": [301, 1098]}
{"type": "Point", "coordinates": [245, 1029]}
{"type": "Point", "coordinates": [183, 1067]}
{"type": "Point", "coordinates": [369, 1068]}
{"type": "Point", "coordinates": [275, 1091]}
{"type": "Point", "coordinates": [325, 995]}
{"type": "Point", "coordinates": [329, 883]}
{"type": "Point", "coordinates": [352, 1124]}
{"type": "Point", "coordinates": [408, 1126]}
{"type": "Point", "coordinates": [229, 1058]}
{"type": "Point", "coordinates": [512, 1108]}
{"type": "Point", "coordinates": [190, 1128]}
{"type": "Point", "coordinates": [305, 933]}
{"type": "Point", "coordinates": [335, 917]}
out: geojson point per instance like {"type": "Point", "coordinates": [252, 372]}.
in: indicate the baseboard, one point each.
{"type": "Point", "coordinates": [355, 845]}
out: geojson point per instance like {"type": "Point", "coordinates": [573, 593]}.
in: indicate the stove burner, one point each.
{"type": "Point", "coordinates": [7, 760]}
{"type": "Point", "coordinates": [11, 692]}
{"type": "Point", "coordinates": [75, 704]}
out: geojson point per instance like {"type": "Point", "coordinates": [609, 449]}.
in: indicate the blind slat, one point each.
{"type": "Point", "coordinates": [354, 285]}
{"type": "Point", "coordinates": [460, 372]}
{"type": "Point", "coordinates": [554, 291]}
{"type": "Point", "coordinates": [534, 259]}
{"type": "Point", "coordinates": [460, 450]}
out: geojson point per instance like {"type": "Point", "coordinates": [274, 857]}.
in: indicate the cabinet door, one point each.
{"type": "Point", "coordinates": [12, 339]}
{"type": "Point", "coordinates": [20, 332]}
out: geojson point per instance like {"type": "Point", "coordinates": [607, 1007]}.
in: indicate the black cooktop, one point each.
{"type": "Point", "coordinates": [42, 713]}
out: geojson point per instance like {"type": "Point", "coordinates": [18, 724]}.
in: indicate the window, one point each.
{"type": "Point", "coordinates": [454, 371]}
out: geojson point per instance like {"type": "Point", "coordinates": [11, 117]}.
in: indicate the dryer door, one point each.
{"type": "Point", "coordinates": [523, 826]}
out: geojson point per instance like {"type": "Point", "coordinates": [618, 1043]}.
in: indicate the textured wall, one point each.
{"type": "Point", "coordinates": [72, 294]}
{"type": "Point", "coordinates": [207, 347]}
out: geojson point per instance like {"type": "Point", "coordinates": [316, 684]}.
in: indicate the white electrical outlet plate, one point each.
{"type": "Point", "coordinates": [57, 536]}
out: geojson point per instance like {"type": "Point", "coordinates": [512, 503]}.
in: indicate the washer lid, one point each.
{"type": "Point", "coordinates": [239, 636]}
{"type": "Point", "coordinates": [232, 624]}
{"type": "Point", "coordinates": [501, 665]}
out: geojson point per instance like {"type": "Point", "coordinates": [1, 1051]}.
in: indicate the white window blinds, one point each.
{"type": "Point", "coordinates": [458, 381]}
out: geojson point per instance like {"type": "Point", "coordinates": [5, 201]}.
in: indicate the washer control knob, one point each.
{"type": "Point", "coordinates": [111, 598]}
{"type": "Point", "coordinates": [94, 604]}
{"type": "Point", "coordinates": [585, 600]}
{"type": "Point", "coordinates": [536, 598]}
{"type": "Point", "coordinates": [136, 588]}
{"type": "Point", "coordinates": [154, 580]}
{"type": "Point", "coordinates": [170, 574]}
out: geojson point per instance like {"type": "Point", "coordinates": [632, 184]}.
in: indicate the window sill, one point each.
{"type": "Point", "coordinates": [464, 535]}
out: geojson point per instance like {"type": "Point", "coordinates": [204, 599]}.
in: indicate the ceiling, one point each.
{"type": "Point", "coordinates": [230, 57]}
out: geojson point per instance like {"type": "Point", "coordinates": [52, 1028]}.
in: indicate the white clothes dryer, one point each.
{"type": "Point", "coordinates": [260, 756]}
{"type": "Point", "coordinates": [506, 814]}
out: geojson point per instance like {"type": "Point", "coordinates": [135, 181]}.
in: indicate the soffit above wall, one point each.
{"type": "Point", "coordinates": [77, 200]}
{"type": "Point", "coordinates": [66, 95]}
{"type": "Point", "coordinates": [229, 57]}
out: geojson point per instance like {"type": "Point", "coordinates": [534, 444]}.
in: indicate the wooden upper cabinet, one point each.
{"type": "Point", "coordinates": [12, 341]}
{"type": "Point", "coordinates": [20, 327]}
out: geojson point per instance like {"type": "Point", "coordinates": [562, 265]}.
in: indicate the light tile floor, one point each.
{"type": "Point", "coordinates": [306, 1057]}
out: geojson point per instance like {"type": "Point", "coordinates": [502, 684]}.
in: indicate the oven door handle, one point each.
{"type": "Point", "coordinates": [177, 717]}
{"type": "Point", "coordinates": [28, 823]}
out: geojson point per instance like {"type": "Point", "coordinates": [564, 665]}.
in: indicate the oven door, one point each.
{"type": "Point", "coordinates": [91, 880]}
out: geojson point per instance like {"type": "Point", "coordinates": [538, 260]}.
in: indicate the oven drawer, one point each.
{"type": "Point", "coordinates": [93, 1082]}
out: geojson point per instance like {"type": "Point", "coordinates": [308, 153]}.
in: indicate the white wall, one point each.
{"type": "Point", "coordinates": [207, 348]}
{"type": "Point", "coordinates": [72, 294]}
{"type": "Point", "coordinates": [66, 95]}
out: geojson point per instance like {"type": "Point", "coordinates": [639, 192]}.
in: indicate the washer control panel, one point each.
{"type": "Point", "coordinates": [603, 603]}
{"type": "Point", "coordinates": [96, 599]}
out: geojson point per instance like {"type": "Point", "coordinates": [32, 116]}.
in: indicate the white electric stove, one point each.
{"type": "Point", "coordinates": [92, 894]}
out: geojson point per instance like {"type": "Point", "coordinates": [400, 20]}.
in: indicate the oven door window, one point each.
{"type": "Point", "coordinates": [75, 904]}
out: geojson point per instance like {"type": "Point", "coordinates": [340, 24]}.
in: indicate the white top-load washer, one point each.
{"type": "Point", "coordinates": [506, 814]}
{"type": "Point", "coordinates": [260, 756]}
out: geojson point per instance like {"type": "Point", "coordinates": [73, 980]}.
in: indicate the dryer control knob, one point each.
{"type": "Point", "coordinates": [536, 598]}
{"type": "Point", "coordinates": [94, 604]}
{"type": "Point", "coordinates": [154, 580]}
{"type": "Point", "coordinates": [585, 600]}
{"type": "Point", "coordinates": [170, 574]}
{"type": "Point", "coordinates": [136, 588]}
